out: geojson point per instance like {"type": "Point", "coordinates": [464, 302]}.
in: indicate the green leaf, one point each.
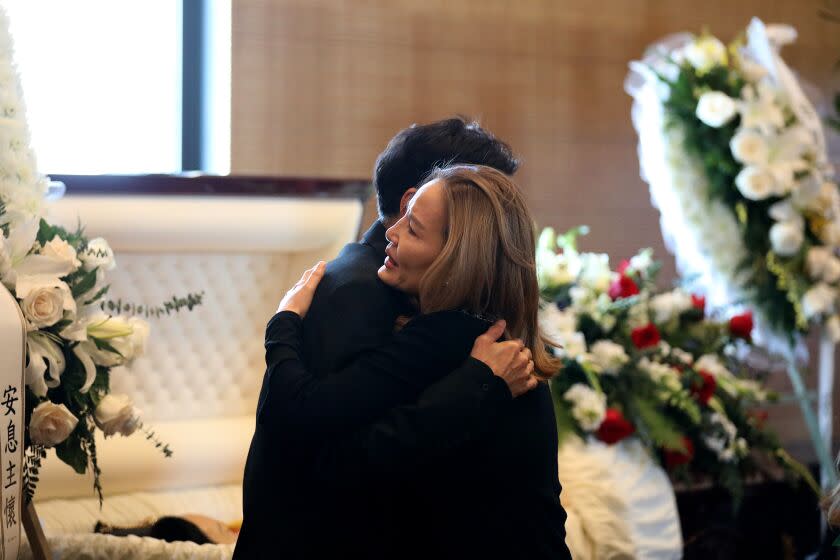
{"type": "Point", "coordinates": [47, 232]}
{"type": "Point", "coordinates": [98, 294]}
{"type": "Point", "coordinates": [660, 429]}
{"type": "Point", "coordinates": [86, 282]}
{"type": "Point", "coordinates": [73, 453]}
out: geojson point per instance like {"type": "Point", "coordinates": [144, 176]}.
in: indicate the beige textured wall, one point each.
{"type": "Point", "coordinates": [319, 86]}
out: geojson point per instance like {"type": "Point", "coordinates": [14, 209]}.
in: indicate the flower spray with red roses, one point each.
{"type": "Point", "coordinates": [652, 364]}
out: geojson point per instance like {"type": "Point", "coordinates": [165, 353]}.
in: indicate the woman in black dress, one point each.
{"type": "Point", "coordinates": [464, 257]}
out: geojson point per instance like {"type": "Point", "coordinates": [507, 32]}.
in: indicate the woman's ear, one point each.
{"type": "Point", "coordinates": [406, 197]}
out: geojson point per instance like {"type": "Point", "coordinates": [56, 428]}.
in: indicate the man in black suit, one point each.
{"type": "Point", "coordinates": [290, 509]}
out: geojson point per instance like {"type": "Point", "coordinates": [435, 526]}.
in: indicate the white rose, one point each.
{"type": "Point", "coordinates": [98, 254]}
{"type": "Point", "coordinates": [61, 251]}
{"type": "Point", "coordinates": [832, 327]}
{"type": "Point", "coordinates": [755, 183]}
{"type": "Point", "coordinates": [705, 53]}
{"type": "Point", "coordinates": [51, 424]}
{"type": "Point", "coordinates": [608, 356]}
{"type": "Point", "coordinates": [715, 109]}
{"type": "Point", "coordinates": [749, 147]}
{"type": "Point", "coordinates": [786, 238]}
{"type": "Point", "coordinates": [588, 406]}
{"type": "Point", "coordinates": [116, 414]}
{"type": "Point", "coordinates": [818, 300]}
{"type": "Point", "coordinates": [45, 302]}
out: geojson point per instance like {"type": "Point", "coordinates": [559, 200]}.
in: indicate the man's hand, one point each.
{"type": "Point", "coordinates": [509, 360]}
{"type": "Point", "coordinates": [299, 298]}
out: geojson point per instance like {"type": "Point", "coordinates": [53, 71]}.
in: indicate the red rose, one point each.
{"type": "Point", "coordinates": [703, 392]}
{"type": "Point", "coordinates": [677, 458]}
{"type": "Point", "coordinates": [623, 287]}
{"type": "Point", "coordinates": [699, 303]}
{"type": "Point", "coordinates": [644, 337]}
{"type": "Point", "coordinates": [614, 427]}
{"type": "Point", "coordinates": [741, 325]}
{"type": "Point", "coordinates": [622, 268]}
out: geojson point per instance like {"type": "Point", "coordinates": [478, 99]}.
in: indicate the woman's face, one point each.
{"type": "Point", "coordinates": [415, 240]}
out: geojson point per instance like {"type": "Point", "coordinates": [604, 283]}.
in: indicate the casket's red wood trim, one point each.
{"type": "Point", "coordinates": [214, 185]}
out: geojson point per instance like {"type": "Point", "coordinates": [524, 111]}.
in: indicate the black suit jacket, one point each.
{"type": "Point", "coordinates": [331, 455]}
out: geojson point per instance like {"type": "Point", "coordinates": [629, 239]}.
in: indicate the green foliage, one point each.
{"type": "Point", "coordinates": [656, 426]}
{"type": "Point", "coordinates": [72, 450]}
{"type": "Point", "coordinates": [82, 281]}
{"type": "Point", "coordinates": [32, 457]}
{"type": "Point", "coordinates": [173, 305]}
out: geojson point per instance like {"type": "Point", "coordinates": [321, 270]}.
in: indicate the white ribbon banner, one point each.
{"type": "Point", "coordinates": [12, 394]}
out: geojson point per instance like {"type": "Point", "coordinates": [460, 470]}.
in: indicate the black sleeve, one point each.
{"type": "Point", "coordinates": [459, 408]}
{"type": "Point", "coordinates": [312, 410]}
{"type": "Point", "coordinates": [348, 316]}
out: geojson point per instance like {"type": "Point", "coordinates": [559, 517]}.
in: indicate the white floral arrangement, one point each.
{"type": "Point", "coordinates": [74, 335]}
{"type": "Point", "coordinates": [736, 162]}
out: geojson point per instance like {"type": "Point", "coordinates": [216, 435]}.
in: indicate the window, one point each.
{"type": "Point", "coordinates": [102, 82]}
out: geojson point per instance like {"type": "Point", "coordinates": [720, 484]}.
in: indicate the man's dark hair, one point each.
{"type": "Point", "coordinates": [412, 154]}
{"type": "Point", "coordinates": [167, 528]}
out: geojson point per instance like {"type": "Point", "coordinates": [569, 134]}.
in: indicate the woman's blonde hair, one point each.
{"type": "Point", "coordinates": [487, 264]}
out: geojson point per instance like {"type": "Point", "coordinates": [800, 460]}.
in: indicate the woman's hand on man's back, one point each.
{"type": "Point", "coordinates": [509, 359]}
{"type": "Point", "coordinates": [299, 297]}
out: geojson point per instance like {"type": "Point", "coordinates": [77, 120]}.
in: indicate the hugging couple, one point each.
{"type": "Point", "coordinates": [405, 410]}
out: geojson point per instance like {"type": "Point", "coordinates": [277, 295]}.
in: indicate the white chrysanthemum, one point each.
{"type": "Point", "coordinates": [588, 406]}
{"type": "Point", "coordinates": [819, 300]}
{"type": "Point", "coordinates": [661, 373]}
{"type": "Point", "coordinates": [786, 238]}
{"type": "Point", "coordinates": [607, 357]}
{"type": "Point", "coordinates": [554, 321]}
{"type": "Point", "coordinates": [715, 109]}
{"type": "Point", "coordinates": [756, 183]}
{"type": "Point", "coordinates": [669, 304]}
{"type": "Point", "coordinates": [749, 147]}
{"type": "Point", "coordinates": [711, 364]}
{"type": "Point", "coordinates": [682, 355]}
{"type": "Point", "coordinates": [573, 345]}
